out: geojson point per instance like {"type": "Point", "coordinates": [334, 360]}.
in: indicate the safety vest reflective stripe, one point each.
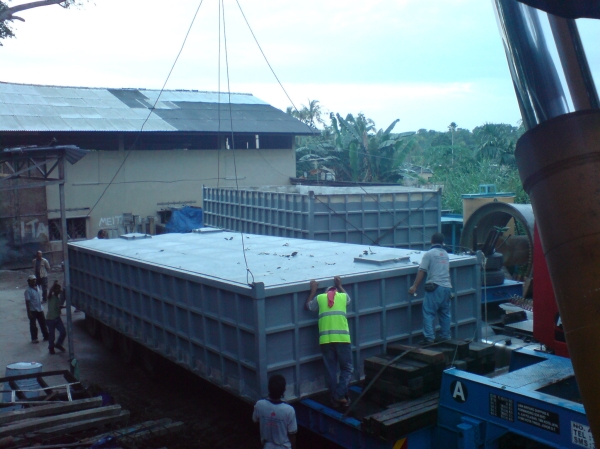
{"type": "Point", "coordinates": [334, 332]}
{"type": "Point", "coordinates": [321, 315]}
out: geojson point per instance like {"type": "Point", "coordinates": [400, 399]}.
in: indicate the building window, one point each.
{"type": "Point", "coordinates": [76, 229]}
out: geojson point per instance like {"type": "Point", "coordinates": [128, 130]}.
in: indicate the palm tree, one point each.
{"type": "Point", "coordinates": [311, 114]}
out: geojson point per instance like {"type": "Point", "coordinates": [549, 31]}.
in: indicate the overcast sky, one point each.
{"type": "Point", "coordinates": [426, 62]}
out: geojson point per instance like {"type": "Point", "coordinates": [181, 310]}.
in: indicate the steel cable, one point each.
{"type": "Point", "coordinates": [139, 134]}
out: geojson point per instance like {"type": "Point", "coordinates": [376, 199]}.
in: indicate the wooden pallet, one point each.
{"type": "Point", "coordinates": [400, 419]}
{"type": "Point", "coordinates": [55, 418]}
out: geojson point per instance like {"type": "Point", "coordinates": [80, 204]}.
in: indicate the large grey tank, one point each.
{"type": "Point", "coordinates": [394, 216]}
{"type": "Point", "coordinates": [191, 299]}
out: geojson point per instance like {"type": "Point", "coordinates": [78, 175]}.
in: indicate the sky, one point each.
{"type": "Point", "coordinates": [425, 62]}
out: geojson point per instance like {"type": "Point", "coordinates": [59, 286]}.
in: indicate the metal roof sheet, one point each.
{"type": "Point", "coordinates": [270, 259]}
{"type": "Point", "coordinates": [25, 107]}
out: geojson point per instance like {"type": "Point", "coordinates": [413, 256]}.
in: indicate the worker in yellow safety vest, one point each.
{"type": "Point", "coordinates": [334, 338]}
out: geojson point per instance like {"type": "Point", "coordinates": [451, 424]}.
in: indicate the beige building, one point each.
{"type": "Point", "coordinates": [149, 153]}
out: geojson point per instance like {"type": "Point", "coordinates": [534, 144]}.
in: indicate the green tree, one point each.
{"type": "Point", "coordinates": [311, 114]}
{"type": "Point", "coordinates": [7, 13]}
{"type": "Point", "coordinates": [373, 156]}
{"type": "Point", "coordinates": [497, 142]}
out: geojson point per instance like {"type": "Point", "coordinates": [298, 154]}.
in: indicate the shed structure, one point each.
{"type": "Point", "coordinates": [155, 149]}
{"type": "Point", "coordinates": [394, 216]}
{"type": "Point", "coordinates": [193, 299]}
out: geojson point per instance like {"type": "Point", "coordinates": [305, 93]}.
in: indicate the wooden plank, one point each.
{"type": "Point", "coordinates": [63, 373]}
{"type": "Point", "coordinates": [404, 417]}
{"type": "Point", "coordinates": [50, 409]}
{"type": "Point", "coordinates": [402, 426]}
{"type": "Point", "coordinates": [459, 347]}
{"type": "Point", "coordinates": [127, 430]}
{"type": "Point", "coordinates": [37, 424]}
{"type": "Point", "coordinates": [156, 431]}
{"type": "Point", "coordinates": [479, 350]}
{"type": "Point", "coordinates": [405, 369]}
{"type": "Point", "coordinates": [86, 424]}
{"type": "Point", "coordinates": [424, 355]}
{"type": "Point", "coordinates": [399, 391]}
{"type": "Point", "coordinates": [371, 423]}
{"type": "Point", "coordinates": [407, 410]}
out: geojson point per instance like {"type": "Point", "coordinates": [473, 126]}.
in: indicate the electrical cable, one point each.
{"type": "Point", "coordinates": [219, 102]}
{"type": "Point", "coordinates": [139, 134]}
{"type": "Point", "coordinates": [237, 187]}
{"type": "Point", "coordinates": [293, 104]}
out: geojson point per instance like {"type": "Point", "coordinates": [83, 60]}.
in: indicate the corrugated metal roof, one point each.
{"type": "Point", "coordinates": [71, 153]}
{"type": "Point", "coordinates": [25, 107]}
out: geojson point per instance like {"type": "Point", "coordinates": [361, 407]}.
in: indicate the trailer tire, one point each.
{"type": "Point", "coordinates": [92, 326]}
{"type": "Point", "coordinates": [109, 337]}
{"type": "Point", "coordinates": [492, 277]}
{"type": "Point", "coordinates": [127, 349]}
{"type": "Point", "coordinates": [494, 262]}
{"type": "Point", "coordinates": [153, 364]}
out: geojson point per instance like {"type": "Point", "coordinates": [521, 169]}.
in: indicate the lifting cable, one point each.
{"type": "Point", "coordinates": [375, 242]}
{"type": "Point", "coordinates": [237, 187]}
{"type": "Point", "coordinates": [139, 133]}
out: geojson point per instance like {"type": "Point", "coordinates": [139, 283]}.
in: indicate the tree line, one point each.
{"type": "Point", "coordinates": [354, 149]}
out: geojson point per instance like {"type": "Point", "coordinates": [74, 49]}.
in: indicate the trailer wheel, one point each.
{"type": "Point", "coordinates": [153, 364]}
{"type": "Point", "coordinates": [492, 277]}
{"type": "Point", "coordinates": [494, 262]}
{"type": "Point", "coordinates": [127, 349]}
{"type": "Point", "coordinates": [92, 326]}
{"type": "Point", "coordinates": [109, 337]}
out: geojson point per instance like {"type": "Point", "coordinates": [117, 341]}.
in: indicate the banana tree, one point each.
{"type": "Point", "coordinates": [371, 155]}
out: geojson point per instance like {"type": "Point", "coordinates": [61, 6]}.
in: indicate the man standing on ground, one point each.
{"type": "Point", "coordinates": [277, 420]}
{"type": "Point", "coordinates": [33, 302]}
{"type": "Point", "coordinates": [334, 338]}
{"type": "Point", "coordinates": [53, 319]}
{"type": "Point", "coordinates": [41, 268]}
{"type": "Point", "coordinates": [438, 289]}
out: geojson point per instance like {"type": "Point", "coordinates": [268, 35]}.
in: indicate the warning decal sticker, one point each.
{"type": "Point", "coordinates": [581, 435]}
{"type": "Point", "coordinates": [537, 417]}
{"type": "Point", "coordinates": [502, 407]}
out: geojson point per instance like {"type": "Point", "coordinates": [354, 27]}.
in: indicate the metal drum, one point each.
{"type": "Point", "coordinates": [18, 369]}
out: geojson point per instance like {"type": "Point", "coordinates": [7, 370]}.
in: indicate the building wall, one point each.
{"type": "Point", "coordinates": [149, 178]}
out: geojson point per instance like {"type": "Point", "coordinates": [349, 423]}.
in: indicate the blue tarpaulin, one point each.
{"type": "Point", "coordinates": [185, 219]}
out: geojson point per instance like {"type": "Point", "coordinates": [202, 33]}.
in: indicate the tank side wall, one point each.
{"type": "Point", "coordinates": [406, 219]}
{"type": "Point", "coordinates": [237, 338]}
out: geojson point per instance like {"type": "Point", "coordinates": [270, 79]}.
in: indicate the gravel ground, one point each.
{"type": "Point", "coordinates": [213, 417]}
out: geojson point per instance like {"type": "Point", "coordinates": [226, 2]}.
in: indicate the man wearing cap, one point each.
{"type": "Point", "coordinates": [435, 266]}
{"type": "Point", "coordinates": [334, 338]}
{"type": "Point", "coordinates": [33, 302]}
{"type": "Point", "coordinates": [41, 268]}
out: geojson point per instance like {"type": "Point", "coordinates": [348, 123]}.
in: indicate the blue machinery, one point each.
{"type": "Point", "coordinates": [535, 399]}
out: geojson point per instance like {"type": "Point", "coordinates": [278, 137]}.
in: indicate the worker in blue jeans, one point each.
{"type": "Point", "coordinates": [334, 338]}
{"type": "Point", "coordinates": [435, 264]}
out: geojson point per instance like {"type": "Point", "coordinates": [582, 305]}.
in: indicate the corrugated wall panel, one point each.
{"type": "Point", "coordinates": [404, 219]}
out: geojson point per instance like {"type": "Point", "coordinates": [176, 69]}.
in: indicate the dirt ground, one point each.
{"type": "Point", "coordinates": [213, 418]}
